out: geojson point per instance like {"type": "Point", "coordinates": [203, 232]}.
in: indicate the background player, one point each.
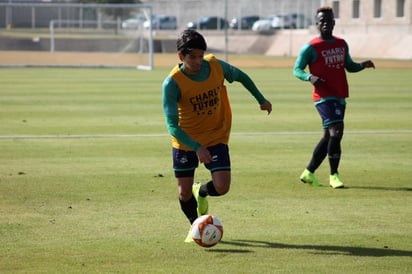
{"type": "Point", "coordinates": [327, 57]}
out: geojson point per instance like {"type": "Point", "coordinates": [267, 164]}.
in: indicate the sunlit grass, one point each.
{"type": "Point", "coordinates": [86, 184]}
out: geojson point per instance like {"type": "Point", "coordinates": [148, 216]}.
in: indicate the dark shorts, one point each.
{"type": "Point", "coordinates": [185, 162]}
{"type": "Point", "coordinates": [331, 112]}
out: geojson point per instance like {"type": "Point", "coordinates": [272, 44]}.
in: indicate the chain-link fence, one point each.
{"type": "Point", "coordinates": [192, 10]}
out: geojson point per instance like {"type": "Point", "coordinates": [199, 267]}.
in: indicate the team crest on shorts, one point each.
{"type": "Point", "coordinates": [183, 160]}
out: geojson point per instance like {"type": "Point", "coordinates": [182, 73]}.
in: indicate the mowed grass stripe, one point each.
{"type": "Point", "coordinates": [98, 136]}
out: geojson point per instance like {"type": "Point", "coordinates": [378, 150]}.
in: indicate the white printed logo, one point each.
{"type": "Point", "coordinates": [334, 58]}
{"type": "Point", "coordinates": [183, 160]}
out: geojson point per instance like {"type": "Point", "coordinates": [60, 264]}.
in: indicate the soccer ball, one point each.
{"type": "Point", "coordinates": [207, 230]}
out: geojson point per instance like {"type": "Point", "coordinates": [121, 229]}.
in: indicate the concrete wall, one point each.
{"type": "Point", "coordinates": [368, 22]}
{"type": "Point", "coordinates": [289, 43]}
{"type": "Point", "coordinates": [376, 45]}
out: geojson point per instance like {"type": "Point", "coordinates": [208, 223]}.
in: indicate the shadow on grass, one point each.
{"type": "Point", "coordinates": [372, 188]}
{"type": "Point", "coordinates": [380, 188]}
{"type": "Point", "coordinates": [321, 249]}
{"type": "Point", "coordinates": [227, 250]}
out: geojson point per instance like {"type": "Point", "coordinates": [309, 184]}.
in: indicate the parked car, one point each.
{"type": "Point", "coordinates": [243, 22]}
{"type": "Point", "coordinates": [290, 21]}
{"type": "Point", "coordinates": [263, 25]}
{"type": "Point", "coordinates": [208, 22]}
{"type": "Point", "coordinates": [133, 23]}
{"type": "Point", "coordinates": [162, 22]}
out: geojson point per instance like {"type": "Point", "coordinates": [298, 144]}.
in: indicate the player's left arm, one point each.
{"type": "Point", "coordinates": [352, 66]}
{"type": "Point", "coordinates": [233, 73]}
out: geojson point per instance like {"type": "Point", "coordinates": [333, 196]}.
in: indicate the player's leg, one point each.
{"type": "Point", "coordinates": [184, 165]}
{"type": "Point", "coordinates": [321, 149]}
{"type": "Point", "coordinates": [318, 155]}
{"type": "Point", "coordinates": [221, 183]}
{"type": "Point", "coordinates": [220, 169]}
{"type": "Point", "coordinates": [335, 129]}
{"type": "Point", "coordinates": [334, 146]}
{"type": "Point", "coordinates": [320, 152]}
{"type": "Point", "coordinates": [187, 201]}
{"type": "Point", "coordinates": [334, 154]}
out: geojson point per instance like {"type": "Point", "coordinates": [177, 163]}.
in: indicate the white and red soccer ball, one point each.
{"type": "Point", "coordinates": [207, 230]}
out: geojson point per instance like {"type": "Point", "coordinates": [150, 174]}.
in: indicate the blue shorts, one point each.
{"type": "Point", "coordinates": [185, 162]}
{"type": "Point", "coordinates": [331, 111]}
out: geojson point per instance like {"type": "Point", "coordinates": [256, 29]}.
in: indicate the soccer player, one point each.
{"type": "Point", "coordinates": [199, 118]}
{"type": "Point", "coordinates": [327, 57]}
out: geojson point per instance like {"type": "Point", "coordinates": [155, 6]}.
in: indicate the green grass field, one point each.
{"type": "Point", "coordinates": [86, 184]}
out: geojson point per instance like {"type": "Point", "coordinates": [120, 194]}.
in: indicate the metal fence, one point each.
{"type": "Point", "coordinates": [191, 10]}
{"type": "Point", "coordinates": [36, 15]}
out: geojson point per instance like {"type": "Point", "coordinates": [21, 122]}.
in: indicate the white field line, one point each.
{"type": "Point", "coordinates": [151, 135]}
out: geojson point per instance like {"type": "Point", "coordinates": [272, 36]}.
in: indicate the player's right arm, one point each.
{"type": "Point", "coordinates": [170, 97]}
{"type": "Point", "coordinates": [306, 56]}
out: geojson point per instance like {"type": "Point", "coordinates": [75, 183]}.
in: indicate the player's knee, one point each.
{"type": "Point", "coordinates": [337, 136]}
{"type": "Point", "coordinates": [326, 135]}
{"type": "Point", "coordinates": [336, 131]}
{"type": "Point", "coordinates": [185, 195]}
{"type": "Point", "coordinates": [222, 189]}
{"type": "Point", "coordinates": [184, 198]}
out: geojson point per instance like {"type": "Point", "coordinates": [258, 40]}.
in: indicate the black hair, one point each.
{"type": "Point", "coordinates": [190, 39]}
{"type": "Point", "coordinates": [324, 9]}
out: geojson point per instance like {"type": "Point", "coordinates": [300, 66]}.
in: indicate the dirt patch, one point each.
{"type": "Point", "coordinates": [41, 58]}
{"type": "Point", "coordinates": [32, 58]}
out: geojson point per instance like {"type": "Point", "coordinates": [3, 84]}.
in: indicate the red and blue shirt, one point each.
{"type": "Point", "coordinates": [329, 60]}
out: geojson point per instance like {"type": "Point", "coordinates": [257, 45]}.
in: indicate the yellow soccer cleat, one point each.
{"type": "Point", "coordinates": [202, 203]}
{"type": "Point", "coordinates": [335, 181]}
{"type": "Point", "coordinates": [189, 238]}
{"type": "Point", "coordinates": [308, 177]}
